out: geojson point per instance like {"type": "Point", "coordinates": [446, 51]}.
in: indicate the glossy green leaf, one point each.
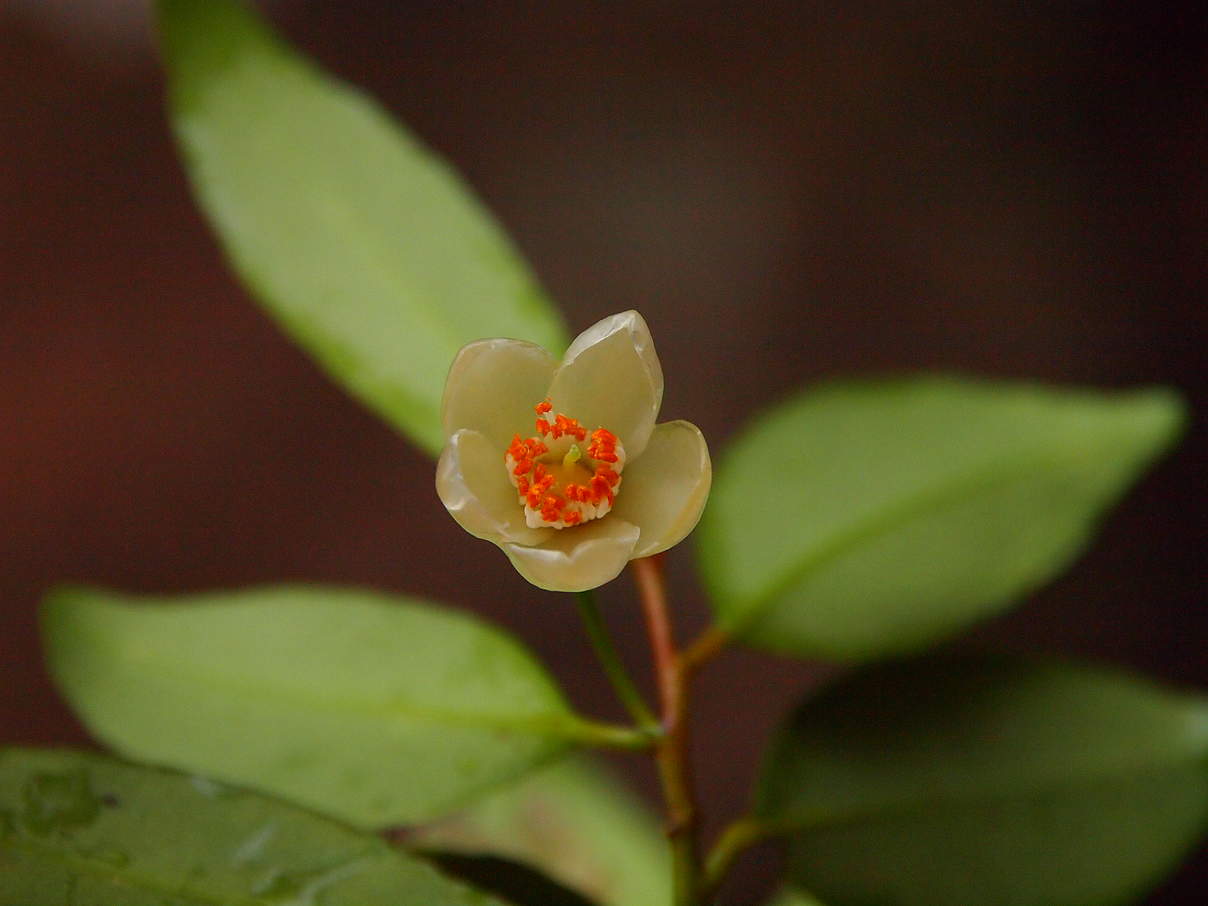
{"type": "Point", "coordinates": [78, 829]}
{"type": "Point", "coordinates": [374, 709]}
{"type": "Point", "coordinates": [946, 782]}
{"type": "Point", "coordinates": [572, 821]}
{"type": "Point", "coordinates": [365, 247]}
{"type": "Point", "coordinates": [866, 518]}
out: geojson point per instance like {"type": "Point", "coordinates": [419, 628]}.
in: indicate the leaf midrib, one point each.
{"type": "Point", "coordinates": [931, 499]}
{"type": "Point", "coordinates": [555, 724]}
{"type": "Point", "coordinates": [272, 63]}
{"type": "Point", "coordinates": [969, 798]}
{"type": "Point", "coordinates": [264, 60]}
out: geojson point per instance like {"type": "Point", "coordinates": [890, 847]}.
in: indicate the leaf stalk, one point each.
{"type": "Point", "coordinates": [610, 659]}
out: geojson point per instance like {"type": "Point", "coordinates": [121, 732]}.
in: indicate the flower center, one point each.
{"type": "Point", "coordinates": [563, 478]}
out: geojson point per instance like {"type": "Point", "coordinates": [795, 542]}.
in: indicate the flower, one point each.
{"type": "Point", "coordinates": [588, 484]}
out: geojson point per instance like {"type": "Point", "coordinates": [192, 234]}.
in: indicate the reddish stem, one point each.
{"type": "Point", "coordinates": [671, 753]}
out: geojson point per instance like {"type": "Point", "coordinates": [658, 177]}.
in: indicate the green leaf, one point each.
{"type": "Point", "coordinates": [366, 248]}
{"type": "Point", "coordinates": [572, 821]}
{"type": "Point", "coordinates": [945, 782]}
{"type": "Point", "coordinates": [81, 830]}
{"type": "Point", "coordinates": [373, 709]}
{"type": "Point", "coordinates": [790, 896]}
{"type": "Point", "coordinates": [866, 518]}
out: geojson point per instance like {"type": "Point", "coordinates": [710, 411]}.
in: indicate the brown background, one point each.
{"type": "Point", "coordinates": [786, 192]}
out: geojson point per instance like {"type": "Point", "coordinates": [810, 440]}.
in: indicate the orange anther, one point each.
{"type": "Point", "coordinates": [600, 489]}
{"type": "Point", "coordinates": [516, 449]}
{"type": "Point", "coordinates": [603, 445]}
{"type": "Point", "coordinates": [571, 426]}
{"type": "Point", "coordinates": [539, 485]}
{"type": "Point", "coordinates": [551, 509]}
{"type": "Point", "coordinates": [603, 471]}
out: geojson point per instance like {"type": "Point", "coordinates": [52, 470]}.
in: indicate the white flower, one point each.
{"type": "Point", "coordinates": [562, 464]}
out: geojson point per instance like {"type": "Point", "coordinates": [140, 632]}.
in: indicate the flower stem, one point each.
{"type": "Point", "coordinates": [671, 750]}
{"type": "Point", "coordinates": [602, 644]}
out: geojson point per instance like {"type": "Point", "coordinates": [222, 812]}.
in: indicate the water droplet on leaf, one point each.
{"type": "Point", "coordinates": [252, 849]}
{"type": "Point", "coordinates": [212, 789]}
{"type": "Point", "coordinates": [302, 888]}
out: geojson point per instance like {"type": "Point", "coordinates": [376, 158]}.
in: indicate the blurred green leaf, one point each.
{"type": "Point", "coordinates": [945, 782]}
{"type": "Point", "coordinates": [574, 822]}
{"type": "Point", "coordinates": [374, 709]}
{"type": "Point", "coordinates": [790, 896]}
{"type": "Point", "coordinates": [865, 518]}
{"type": "Point", "coordinates": [365, 247]}
{"type": "Point", "coordinates": [81, 830]}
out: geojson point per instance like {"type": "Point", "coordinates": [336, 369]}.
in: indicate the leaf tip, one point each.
{"type": "Point", "coordinates": [1166, 412]}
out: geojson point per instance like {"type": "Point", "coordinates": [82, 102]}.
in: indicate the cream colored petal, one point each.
{"type": "Point", "coordinates": [611, 378]}
{"type": "Point", "coordinates": [578, 558]}
{"type": "Point", "coordinates": [472, 482]}
{"type": "Point", "coordinates": [492, 388]}
{"type": "Point", "coordinates": [664, 492]}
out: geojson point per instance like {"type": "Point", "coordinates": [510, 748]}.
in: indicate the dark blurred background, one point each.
{"type": "Point", "coordinates": [786, 190]}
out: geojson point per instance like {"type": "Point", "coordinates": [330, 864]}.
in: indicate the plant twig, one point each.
{"type": "Point", "coordinates": [602, 644]}
{"type": "Point", "coordinates": [610, 736]}
{"type": "Point", "coordinates": [704, 647]}
{"type": "Point", "coordinates": [671, 751]}
{"type": "Point", "coordinates": [737, 836]}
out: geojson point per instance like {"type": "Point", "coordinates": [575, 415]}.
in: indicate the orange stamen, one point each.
{"type": "Point", "coordinates": [600, 489]}
{"type": "Point", "coordinates": [603, 445]}
{"type": "Point", "coordinates": [571, 426]}
{"type": "Point", "coordinates": [535, 482]}
{"type": "Point", "coordinates": [551, 509]}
